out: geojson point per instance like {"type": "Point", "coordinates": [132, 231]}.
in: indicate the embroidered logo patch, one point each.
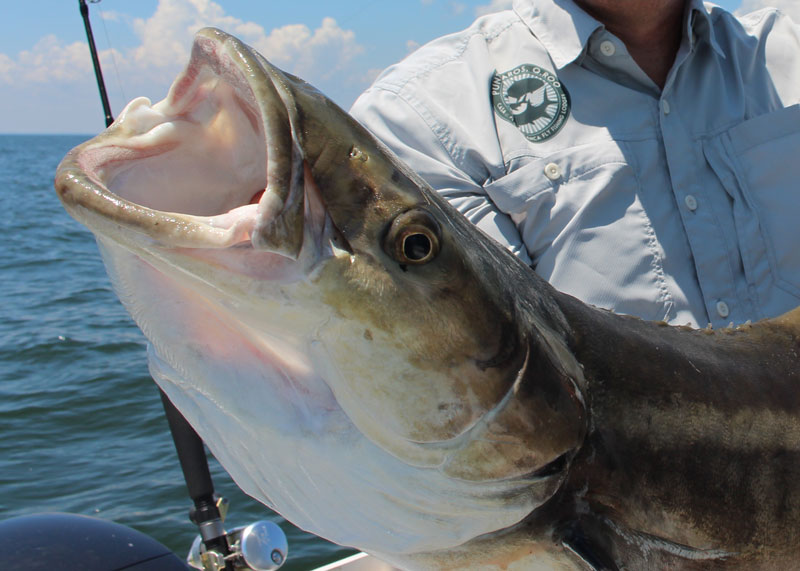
{"type": "Point", "coordinates": [531, 98]}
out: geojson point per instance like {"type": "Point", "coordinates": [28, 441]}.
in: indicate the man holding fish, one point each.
{"type": "Point", "coordinates": [363, 360]}
{"type": "Point", "coordinates": [638, 154]}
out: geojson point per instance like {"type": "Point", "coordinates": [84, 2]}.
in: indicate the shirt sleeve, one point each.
{"type": "Point", "coordinates": [410, 132]}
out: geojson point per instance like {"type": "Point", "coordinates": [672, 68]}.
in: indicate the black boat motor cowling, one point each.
{"type": "Point", "coordinates": [51, 541]}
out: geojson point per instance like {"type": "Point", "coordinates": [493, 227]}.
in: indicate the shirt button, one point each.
{"type": "Point", "coordinates": [723, 309]}
{"type": "Point", "coordinates": [691, 202]}
{"type": "Point", "coordinates": [607, 48]}
{"type": "Point", "coordinates": [552, 171]}
{"type": "Point", "coordinates": [665, 106]}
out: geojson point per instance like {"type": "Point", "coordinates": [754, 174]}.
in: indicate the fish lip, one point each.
{"type": "Point", "coordinates": [89, 199]}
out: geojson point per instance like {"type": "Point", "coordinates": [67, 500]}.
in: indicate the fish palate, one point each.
{"type": "Point", "coordinates": [363, 360]}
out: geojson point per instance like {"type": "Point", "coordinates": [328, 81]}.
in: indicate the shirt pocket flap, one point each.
{"type": "Point", "coordinates": [528, 177]}
{"type": "Point", "coordinates": [767, 128]}
{"type": "Point", "coordinates": [756, 163]}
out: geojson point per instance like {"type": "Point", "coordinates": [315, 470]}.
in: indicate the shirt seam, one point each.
{"type": "Point", "coordinates": [656, 264]}
{"type": "Point", "coordinates": [438, 128]}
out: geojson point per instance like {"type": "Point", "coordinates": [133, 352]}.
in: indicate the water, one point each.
{"type": "Point", "coordinates": [82, 425]}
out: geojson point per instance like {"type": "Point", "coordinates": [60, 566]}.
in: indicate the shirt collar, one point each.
{"type": "Point", "coordinates": [700, 27]}
{"type": "Point", "coordinates": [564, 29]}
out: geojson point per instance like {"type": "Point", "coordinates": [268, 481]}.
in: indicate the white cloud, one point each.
{"type": "Point", "coordinates": [314, 55]}
{"type": "Point", "coordinates": [165, 43]}
{"type": "Point", "coordinates": [111, 16]}
{"type": "Point", "coordinates": [325, 55]}
{"type": "Point", "coordinates": [47, 60]}
{"type": "Point", "coordinates": [166, 36]}
{"type": "Point", "coordinates": [7, 66]}
{"type": "Point", "coordinates": [493, 6]}
{"type": "Point", "coordinates": [412, 46]}
{"type": "Point", "coordinates": [789, 7]}
{"type": "Point", "coordinates": [371, 75]}
{"type": "Point", "coordinates": [457, 8]}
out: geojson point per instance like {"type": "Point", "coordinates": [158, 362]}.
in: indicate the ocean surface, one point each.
{"type": "Point", "coordinates": [82, 426]}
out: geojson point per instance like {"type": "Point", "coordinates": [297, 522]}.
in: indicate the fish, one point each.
{"type": "Point", "coordinates": [363, 360]}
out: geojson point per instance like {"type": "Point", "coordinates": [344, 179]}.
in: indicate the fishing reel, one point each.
{"type": "Point", "coordinates": [260, 546]}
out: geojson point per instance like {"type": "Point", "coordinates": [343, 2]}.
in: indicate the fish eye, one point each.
{"type": "Point", "coordinates": [413, 238]}
{"type": "Point", "coordinates": [417, 246]}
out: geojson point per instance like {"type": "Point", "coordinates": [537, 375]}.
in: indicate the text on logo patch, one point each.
{"type": "Point", "coordinates": [531, 98]}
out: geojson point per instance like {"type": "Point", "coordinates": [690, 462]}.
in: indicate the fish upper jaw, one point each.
{"type": "Point", "coordinates": [213, 165]}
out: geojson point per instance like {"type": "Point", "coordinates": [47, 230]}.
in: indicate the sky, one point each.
{"type": "Point", "coordinates": [47, 84]}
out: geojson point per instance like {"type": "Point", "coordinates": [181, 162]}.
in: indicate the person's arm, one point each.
{"type": "Point", "coordinates": [415, 140]}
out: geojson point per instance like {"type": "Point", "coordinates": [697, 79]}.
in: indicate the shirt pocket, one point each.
{"type": "Point", "coordinates": [757, 163]}
{"type": "Point", "coordinates": [549, 196]}
{"type": "Point", "coordinates": [580, 215]}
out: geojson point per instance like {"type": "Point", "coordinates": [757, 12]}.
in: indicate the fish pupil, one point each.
{"type": "Point", "coordinates": [416, 247]}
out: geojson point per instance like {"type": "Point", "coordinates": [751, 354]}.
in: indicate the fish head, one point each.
{"type": "Point", "coordinates": [355, 353]}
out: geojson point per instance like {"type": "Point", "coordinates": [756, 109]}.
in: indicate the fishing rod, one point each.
{"type": "Point", "coordinates": [260, 546]}
{"type": "Point", "coordinates": [191, 452]}
{"type": "Point", "coordinates": [98, 73]}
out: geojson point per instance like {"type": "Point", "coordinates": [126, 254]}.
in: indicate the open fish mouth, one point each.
{"type": "Point", "coordinates": [213, 165]}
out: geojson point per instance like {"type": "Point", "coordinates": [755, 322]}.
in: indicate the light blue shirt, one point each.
{"type": "Point", "coordinates": [681, 204]}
